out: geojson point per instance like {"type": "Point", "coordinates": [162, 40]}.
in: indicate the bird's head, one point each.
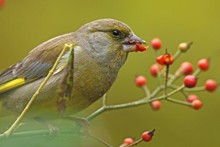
{"type": "Point", "coordinates": [109, 40]}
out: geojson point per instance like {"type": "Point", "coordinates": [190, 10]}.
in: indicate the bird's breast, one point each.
{"type": "Point", "coordinates": [91, 79]}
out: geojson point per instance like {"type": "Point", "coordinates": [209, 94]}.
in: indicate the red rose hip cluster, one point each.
{"type": "Point", "coordinates": [160, 70]}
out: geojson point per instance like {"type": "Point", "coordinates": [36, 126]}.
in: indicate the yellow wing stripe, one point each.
{"type": "Point", "coordinates": [12, 84]}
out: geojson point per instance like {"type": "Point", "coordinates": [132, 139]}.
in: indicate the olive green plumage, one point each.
{"type": "Point", "coordinates": [101, 49]}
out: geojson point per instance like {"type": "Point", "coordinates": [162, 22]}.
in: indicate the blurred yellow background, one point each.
{"type": "Point", "coordinates": [25, 24]}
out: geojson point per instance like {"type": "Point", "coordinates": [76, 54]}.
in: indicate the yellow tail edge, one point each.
{"type": "Point", "coordinates": [12, 84]}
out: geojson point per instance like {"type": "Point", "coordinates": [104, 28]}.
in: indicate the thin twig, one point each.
{"type": "Point", "coordinates": [100, 140]}
{"type": "Point", "coordinates": [178, 101]}
{"type": "Point", "coordinates": [132, 104]}
{"type": "Point", "coordinates": [177, 54]}
{"type": "Point", "coordinates": [136, 142]}
{"type": "Point", "coordinates": [146, 91]}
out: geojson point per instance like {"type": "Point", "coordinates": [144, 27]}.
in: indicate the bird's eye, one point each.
{"type": "Point", "coordinates": [116, 33]}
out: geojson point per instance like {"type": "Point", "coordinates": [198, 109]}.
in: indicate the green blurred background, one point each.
{"type": "Point", "coordinates": [24, 24]}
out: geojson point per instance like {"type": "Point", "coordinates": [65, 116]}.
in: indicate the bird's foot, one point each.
{"type": "Point", "coordinates": [53, 130]}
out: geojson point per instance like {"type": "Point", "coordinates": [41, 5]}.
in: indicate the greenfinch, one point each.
{"type": "Point", "coordinates": [101, 48]}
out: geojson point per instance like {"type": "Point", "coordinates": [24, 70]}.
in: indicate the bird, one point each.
{"type": "Point", "coordinates": [101, 47]}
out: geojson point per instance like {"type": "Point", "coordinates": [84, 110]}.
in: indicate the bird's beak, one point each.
{"type": "Point", "coordinates": [134, 43]}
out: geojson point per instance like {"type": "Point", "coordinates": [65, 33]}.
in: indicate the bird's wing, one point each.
{"type": "Point", "coordinates": [36, 65]}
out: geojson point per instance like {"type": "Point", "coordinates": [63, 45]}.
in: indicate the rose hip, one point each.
{"type": "Point", "coordinates": [156, 43]}
{"type": "Point", "coordinates": [190, 81]}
